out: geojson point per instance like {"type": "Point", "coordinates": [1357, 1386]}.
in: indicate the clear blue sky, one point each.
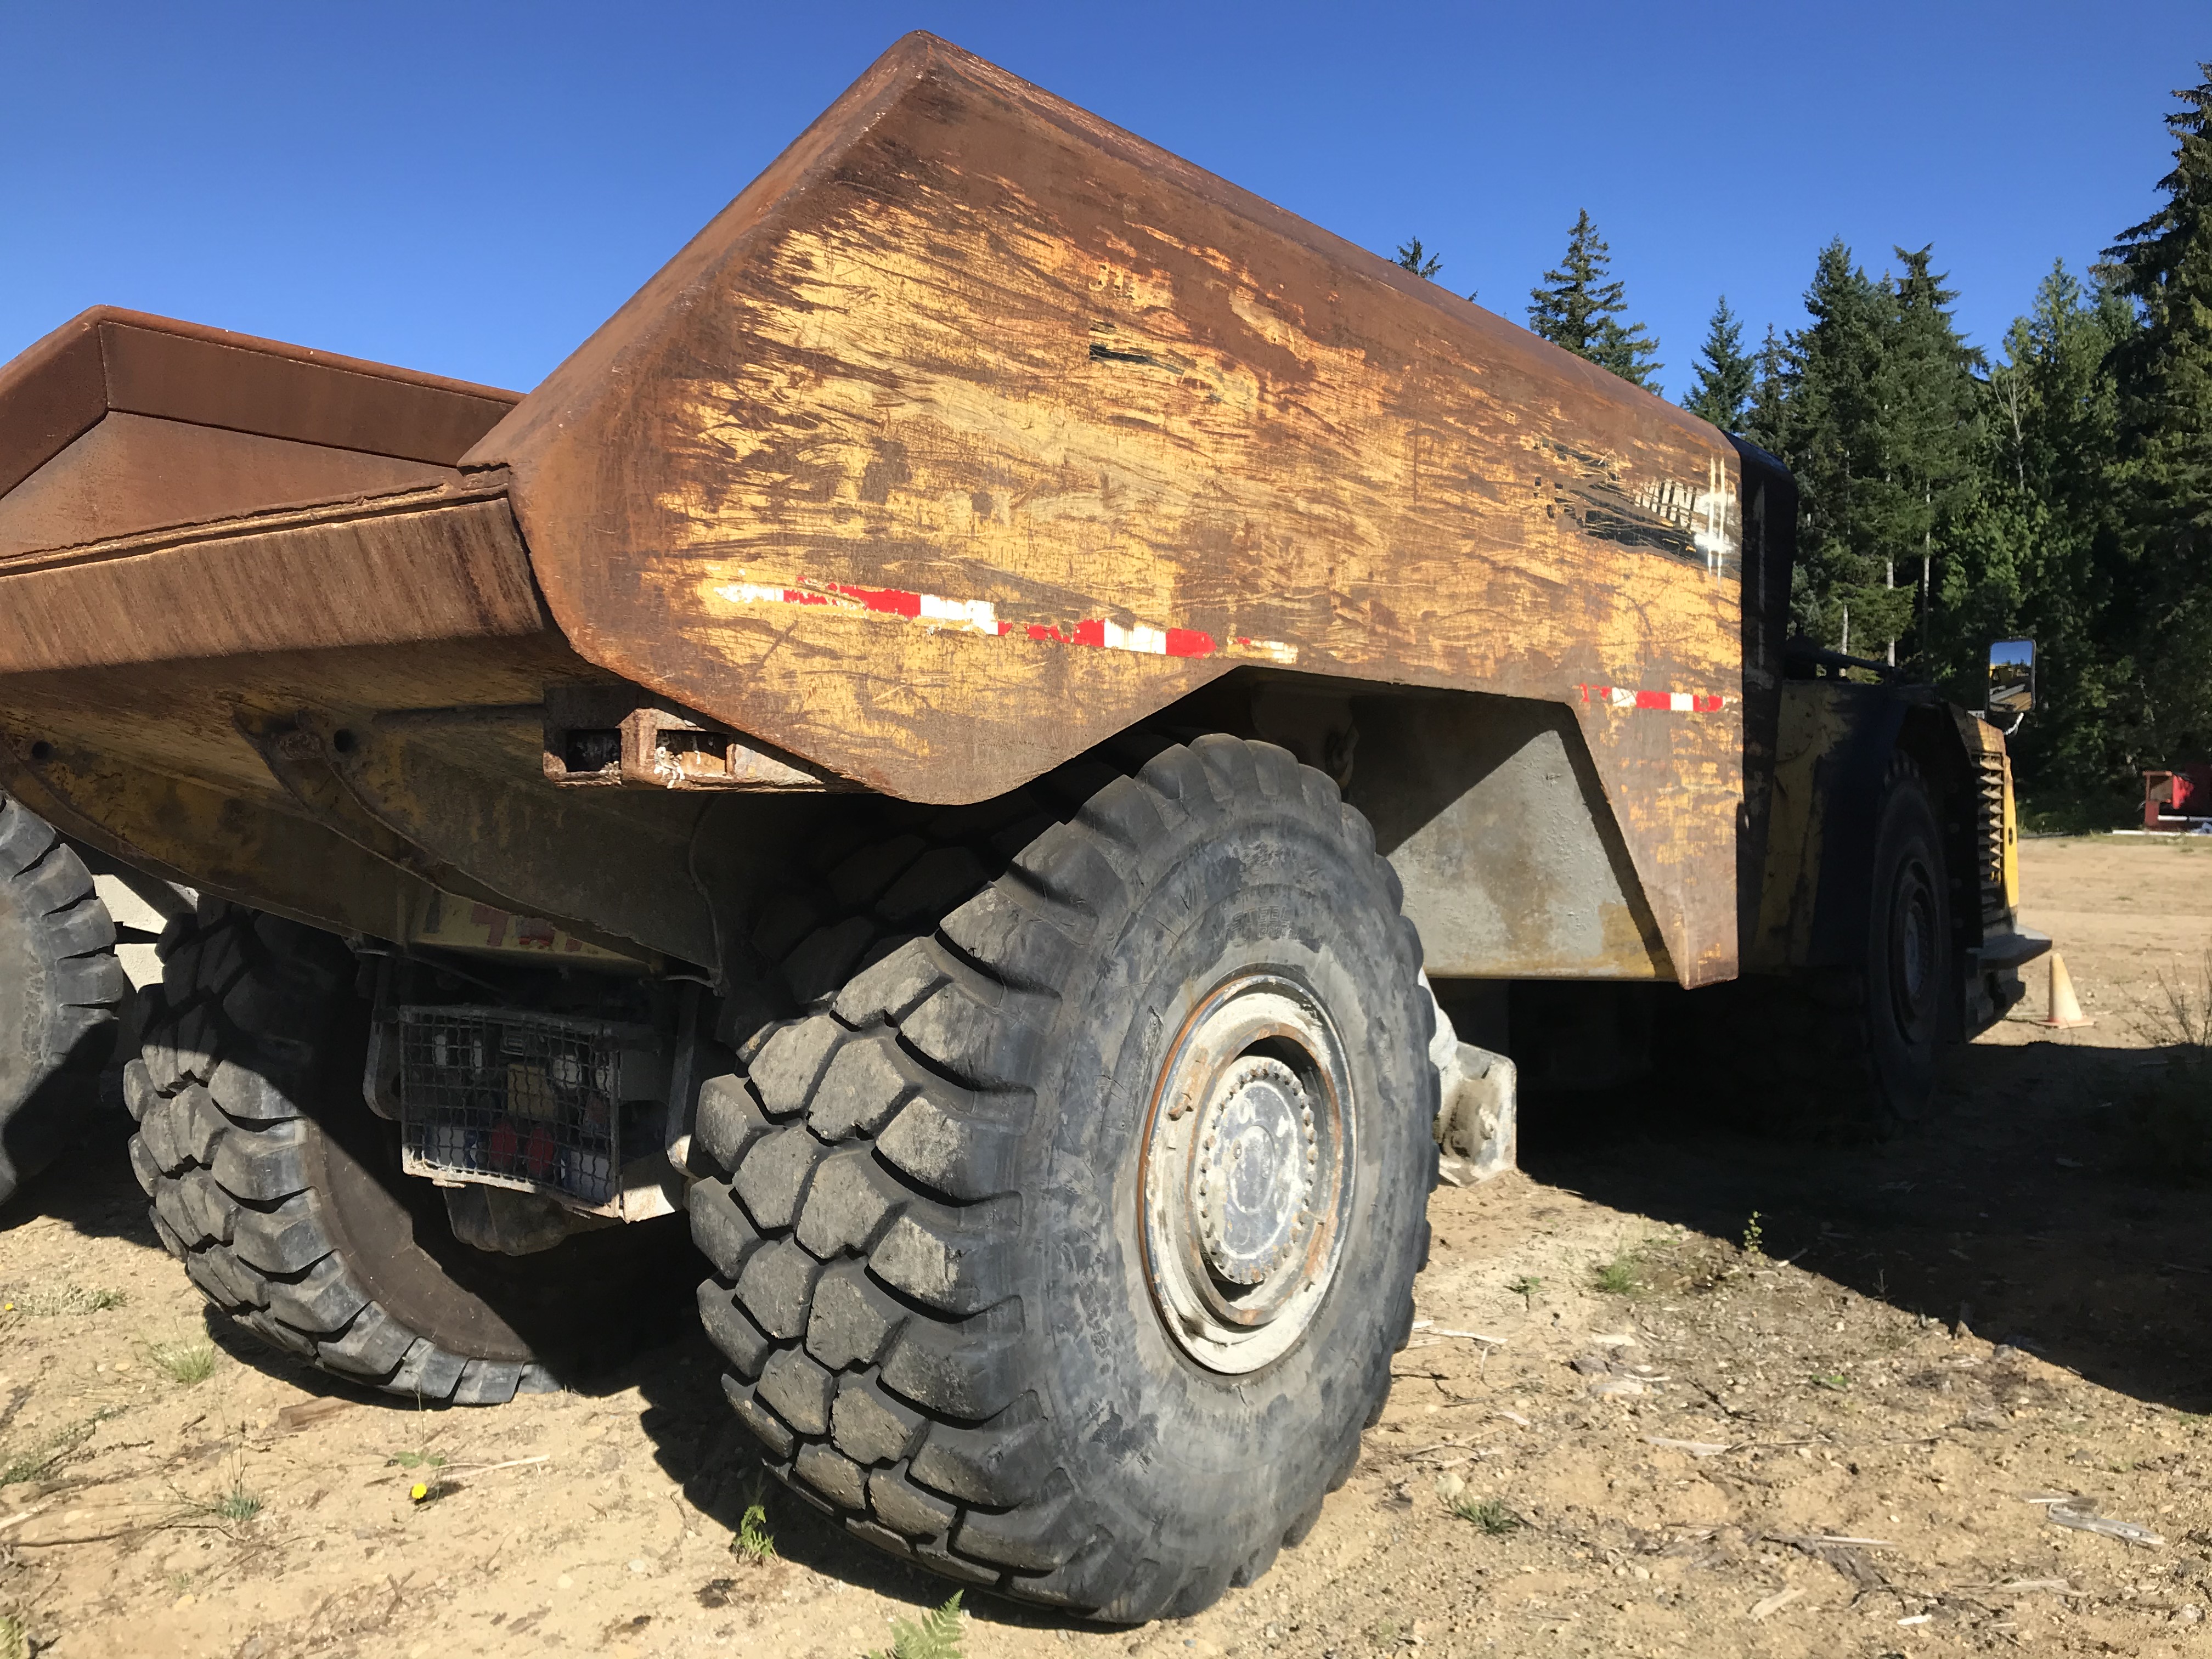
{"type": "Point", "coordinates": [471, 189]}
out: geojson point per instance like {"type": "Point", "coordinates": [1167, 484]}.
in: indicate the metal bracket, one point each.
{"type": "Point", "coordinates": [598, 736]}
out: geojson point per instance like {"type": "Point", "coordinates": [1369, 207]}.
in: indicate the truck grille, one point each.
{"type": "Point", "coordinates": [512, 1099]}
{"type": "Point", "coordinates": [1989, 839]}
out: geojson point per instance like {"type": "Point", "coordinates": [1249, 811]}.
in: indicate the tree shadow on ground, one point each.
{"type": "Point", "coordinates": [2027, 1206]}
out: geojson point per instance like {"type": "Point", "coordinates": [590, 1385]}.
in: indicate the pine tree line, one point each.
{"type": "Point", "coordinates": [2063, 493]}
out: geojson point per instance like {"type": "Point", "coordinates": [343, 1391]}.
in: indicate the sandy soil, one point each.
{"type": "Point", "coordinates": [1831, 1444]}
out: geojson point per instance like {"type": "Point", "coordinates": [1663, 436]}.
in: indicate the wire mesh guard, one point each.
{"type": "Point", "coordinates": [512, 1099]}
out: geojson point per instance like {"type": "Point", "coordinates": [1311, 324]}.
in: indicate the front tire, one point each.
{"type": "Point", "coordinates": [1847, 1051]}
{"type": "Point", "coordinates": [966, 1309]}
{"type": "Point", "coordinates": [1908, 958]}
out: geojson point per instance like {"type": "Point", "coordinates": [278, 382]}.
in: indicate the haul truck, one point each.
{"type": "Point", "coordinates": [940, 742]}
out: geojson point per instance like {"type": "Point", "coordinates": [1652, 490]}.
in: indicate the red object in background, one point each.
{"type": "Point", "coordinates": [2178, 795]}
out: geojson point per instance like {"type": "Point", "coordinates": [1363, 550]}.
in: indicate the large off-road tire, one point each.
{"type": "Point", "coordinates": [281, 1192]}
{"type": "Point", "coordinates": [1849, 1051]}
{"type": "Point", "coordinates": [61, 994]}
{"type": "Point", "coordinates": [941, 1255]}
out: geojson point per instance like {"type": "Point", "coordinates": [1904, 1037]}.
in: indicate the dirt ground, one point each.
{"type": "Point", "coordinates": [1841, 1441]}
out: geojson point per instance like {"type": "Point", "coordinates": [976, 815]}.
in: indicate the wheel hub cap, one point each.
{"type": "Point", "coordinates": [1912, 948]}
{"type": "Point", "coordinates": [1247, 1173]}
{"type": "Point", "coordinates": [1255, 1164]}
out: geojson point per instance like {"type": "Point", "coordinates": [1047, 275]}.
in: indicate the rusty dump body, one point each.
{"type": "Point", "coordinates": [973, 432]}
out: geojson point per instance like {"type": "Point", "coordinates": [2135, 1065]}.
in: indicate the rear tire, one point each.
{"type": "Point", "coordinates": [62, 992]}
{"type": "Point", "coordinates": [941, 1270]}
{"type": "Point", "coordinates": [282, 1193]}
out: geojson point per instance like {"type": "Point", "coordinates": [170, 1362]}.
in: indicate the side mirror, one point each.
{"type": "Point", "coordinates": [2011, 677]}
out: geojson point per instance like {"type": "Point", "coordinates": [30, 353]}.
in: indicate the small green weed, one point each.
{"type": "Point", "coordinates": [51, 1452]}
{"type": "Point", "coordinates": [60, 1301]}
{"type": "Point", "coordinates": [1834, 1381]}
{"type": "Point", "coordinates": [186, 1363]}
{"type": "Point", "coordinates": [1622, 1276]}
{"type": "Point", "coordinates": [237, 1504]}
{"type": "Point", "coordinates": [1490, 1514]}
{"type": "Point", "coordinates": [416, 1460]}
{"type": "Point", "coordinates": [1526, 1287]}
{"type": "Point", "coordinates": [935, 1635]}
{"type": "Point", "coordinates": [14, 1640]}
{"type": "Point", "coordinates": [1754, 1237]}
{"type": "Point", "coordinates": [755, 1543]}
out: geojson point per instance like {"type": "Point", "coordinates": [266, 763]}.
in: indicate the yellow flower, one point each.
{"type": "Point", "coordinates": [419, 1490]}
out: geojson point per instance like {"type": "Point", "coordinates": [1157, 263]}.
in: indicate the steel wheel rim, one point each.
{"type": "Point", "coordinates": [1912, 947]}
{"type": "Point", "coordinates": [1247, 1173]}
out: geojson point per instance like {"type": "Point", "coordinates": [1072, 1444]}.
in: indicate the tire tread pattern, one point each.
{"type": "Point", "coordinates": [864, 1306]}
{"type": "Point", "coordinates": [1796, 1054]}
{"type": "Point", "coordinates": [46, 1089]}
{"type": "Point", "coordinates": [221, 1149]}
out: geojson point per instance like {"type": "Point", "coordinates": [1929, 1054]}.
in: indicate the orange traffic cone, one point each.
{"type": "Point", "coordinates": [2065, 1013]}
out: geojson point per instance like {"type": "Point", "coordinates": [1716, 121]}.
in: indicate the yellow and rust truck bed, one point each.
{"type": "Point", "coordinates": [972, 433]}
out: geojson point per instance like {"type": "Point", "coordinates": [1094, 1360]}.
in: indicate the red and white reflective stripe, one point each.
{"type": "Point", "coordinates": [981, 616]}
{"type": "Point", "coordinates": [1112, 636]}
{"type": "Point", "coordinates": [1678, 702]}
{"type": "Point", "coordinates": [968, 615]}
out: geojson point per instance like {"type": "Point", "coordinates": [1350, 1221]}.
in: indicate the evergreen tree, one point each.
{"type": "Point", "coordinates": [1765, 421]}
{"type": "Point", "coordinates": [2035, 551]}
{"type": "Point", "coordinates": [1413, 256]}
{"type": "Point", "coordinates": [1834, 443]}
{"type": "Point", "coordinates": [2065, 494]}
{"type": "Point", "coordinates": [1879, 416]}
{"type": "Point", "coordinates": [1930, 407]}
{"type": "Point", "coordinates": [1726, 378]}
{"type": "Point", "coordinates": [2164, 376]}
{"type": "Point", "coordinates": [1579, 308]}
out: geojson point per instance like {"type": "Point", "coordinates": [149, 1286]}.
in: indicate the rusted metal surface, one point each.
{"type": "Point", "coordinates": [473, 800]}
{"type": "Point", "coordinates": [598, 738]}
{"type": "Point", "coordinates": [978, 429]}
{"type": "Point", "coordinates": [321, 859]}
{"type": "Point", "coordinates": [224, 844]}
{"type": "Point", "coordinates": [1512, 867]}
{"type": "Point", "coordinates": [428, 565]}
{"type": "Point", "coordinates": [973, 432]}
{"type": "Point", "coordinates": [106, 359]}
{"type": "Point", "coordinates": [118, 422]}
{"type": "Point", "coordinates": [131, 473]}
{"type": "Point", "coordinates": [310, 705]}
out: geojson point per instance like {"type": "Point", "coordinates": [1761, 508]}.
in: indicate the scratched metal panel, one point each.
{"type": "Point", "coordinates": [419, 566]}
{"type": "Point", "coordinates": [977, 429]}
